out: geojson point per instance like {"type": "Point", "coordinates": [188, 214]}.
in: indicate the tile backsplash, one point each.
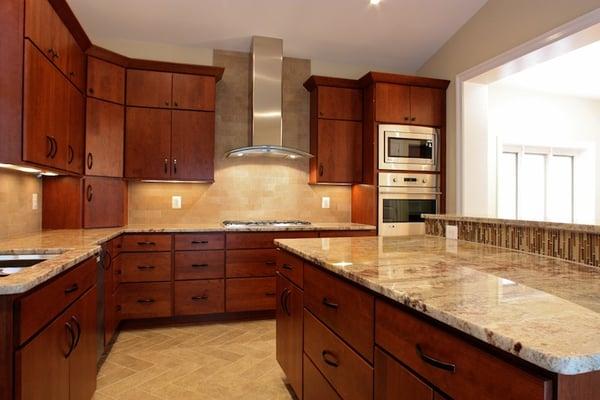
{"type": "Point", "coordinates": [16, 215]}
{"type": "Point", "coordinates": [252, 188]}
{"type": "Point", "coordinates": [568, 242]}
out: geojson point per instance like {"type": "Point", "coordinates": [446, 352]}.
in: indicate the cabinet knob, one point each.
{"type": "Point", "coordinates": [91, 90]}
{"type": "Point", "coordinates": [406, 118]}
{"type": "Point", "coordinates": [166, 165]}
{"type": "Point", "coordinates": [90, 160]}
{"type": "Point", "coordinates": [72, 74]}
{"type": "Point", "coordinates": [174, 165]}
{"type": "Point", "coordinates": [89, 193]}
{"type": "Point", "coordinates": [413, 118]}
{"type": "Point", "coordinates": [166, 103]}
{"type": "Point", "coordinates": [176, 104]}
{"type": "Point", "coordinates": [71, 155]}
{"type": "Point", "coordinates": [321, 170]}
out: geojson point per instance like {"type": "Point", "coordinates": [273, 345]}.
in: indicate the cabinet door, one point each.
{"type": "Point", "coordinates": [426, 106]}
{"type": "Point", "coordinates": [194, 92]}
{"type": "Point", "coordinates": [148, 88]}
{"type": "Point", "coordinates": [393, 381]}
{"type": "Point", "coordinates": [148, 143]}
{"type": "Point", "coordinates": [392, 103]}
{"type": "Point", "coordinates": [75, 130]}
{"type": "Point", "coordinates": [45, 112]}
{"type": "Point", "coordinates": [105, 80]}
{"type": "Point", "coordinates": [337, 150]}
{"type": "Point", "coordinates": [193, 145]}
{"type": "Point", "coordinates": [82, 361]}
{"type": "Point", "coordinates": [75, 62]}
{"type": "Point", "coordinates": [103, 202]}
{"type": "Point", "coordinates": [43, 27]}
{"type": "Point", "coordinates": [289, 332]}
{"type": "Point", "coordinates": [339, 103]}
{"type": "Point", "coordinates": [42, 366]}
{"type": "Point", "coordinates": [104, 138]}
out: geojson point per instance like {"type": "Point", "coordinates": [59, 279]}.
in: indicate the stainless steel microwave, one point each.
{"type": "Point", "coordinates": [408, 148]}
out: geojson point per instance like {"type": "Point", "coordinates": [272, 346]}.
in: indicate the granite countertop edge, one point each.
{"type": "Point", "coordinates": [565, 365]}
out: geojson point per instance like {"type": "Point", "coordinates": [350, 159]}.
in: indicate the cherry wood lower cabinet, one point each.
{"type": "Point", "coordinates": [394, 381]}
{"type": "Point", "coordinates": [289, 331]}
{"type": "Point", "coordinates": [199, 297]}
{"type": "Point", "coordinates": [250, 294]}
{"type": "Point", "coordinates": [315, 385]}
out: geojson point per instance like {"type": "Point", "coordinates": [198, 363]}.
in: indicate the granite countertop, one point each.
{"type": "Point", "coordinates": [541, 309]}
{"type": "Point", "coordinates": [69, 247]}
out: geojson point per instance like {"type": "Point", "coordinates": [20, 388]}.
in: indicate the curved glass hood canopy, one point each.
{"type": "Point", "coordinates": [267, 134]}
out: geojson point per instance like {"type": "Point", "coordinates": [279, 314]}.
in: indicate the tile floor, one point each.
{"type": "Point", "coordinates": [231, 360]}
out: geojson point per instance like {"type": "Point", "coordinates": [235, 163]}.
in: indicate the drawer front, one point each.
{"type": "Point", "coordinates": [200, 241]}
{"type": "Point", "coordinates": [144, 300]}
{"type": "Point", "coordinates": [145, 267]}
{"type": "Point", "coordinates": [462, 370]}
{"type": "Point", "coordinates": [200, 297]}
{"type": "Point", "coordinates": [316, 386]}
{"type": "Point", "coordinates": [330, 234]}
{"type": "Point", "coordinates": [250, 240]}
{"type": "Point", "coordinates": [251, 263]}
{"type": "Point", "coordinates": [393, 381]}
{"type": "Point", "coordinates": [199, 264]}
{"type": "Point", "coordinates": [250, 294]}
{"type": "Point", "coordinates": [349, 374]}
{"type": "Point", "coordinates": [147, 242]}
{"type": "Point", "coordinates": [41, 305]}
{"type": "Point", "coordinates": [347, 310]}
{"type": "Point", "coordinates": [291, 267]}
{"type": "Point", "coordinates": [116, 245]}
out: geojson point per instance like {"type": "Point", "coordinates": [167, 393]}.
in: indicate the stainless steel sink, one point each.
{"type": "Point", "coordinates": [13, 263]}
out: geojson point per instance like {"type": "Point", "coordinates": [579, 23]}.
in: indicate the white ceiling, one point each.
{"type": "Point", "coordinates": [396, 34]}
{"type": "Point", "coordinates": [576, 73]}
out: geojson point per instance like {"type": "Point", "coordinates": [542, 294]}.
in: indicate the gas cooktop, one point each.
{"type": "Point", "coordinates": [274, 222]}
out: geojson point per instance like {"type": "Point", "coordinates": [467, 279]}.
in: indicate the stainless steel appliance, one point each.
{"type": "Point", "coordinates": [403, 197]}
{"type": "Point", "coordinates": [293, 222]}
{"type": "Point", "coordinates": [409, 148]}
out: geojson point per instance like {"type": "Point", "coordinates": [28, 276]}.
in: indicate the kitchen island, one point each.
{"type": "Point", "coordinates": [419, 317]}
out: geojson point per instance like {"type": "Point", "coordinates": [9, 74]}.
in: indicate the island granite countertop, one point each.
{"type": "Point", "coordinates": [543, 310]}
{"type": "Point", "coordinates": [71, 246]}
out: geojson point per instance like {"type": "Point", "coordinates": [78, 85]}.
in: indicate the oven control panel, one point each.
{"type": "Point", "coordinates": [392, 179]}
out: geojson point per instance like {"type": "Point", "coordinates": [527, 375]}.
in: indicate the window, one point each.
{"type": "Point", "coordinates": [536, 183]}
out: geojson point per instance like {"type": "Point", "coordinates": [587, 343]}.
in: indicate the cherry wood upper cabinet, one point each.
{"type": "Point", "coordinates": [45, 28]}
{"type": "Point", "coordinates": [403, 104]}
{"type": "Point", "coordinates": [426, 106]}
{"type": "Point", "coordinates": [338, 148]}
{"type": "Point", "coordinates": [148, 143]}
{"type": "Point", "coordinates": [75, 131]}
{"type": "Point", "coordinates": [194, 92]}
{"type": "Point", "coordinates": [392, 103]}
{"type": "Point", "coordinates": [104, 138]}
{"type": "Point", "coordinates": [149, 88]}
{"type": "Point", "coordinates": [105, 80]}
{"type": "Point", "coordinates": [193, 145]}
{"type": "Point", "coordinates": [339, 103]}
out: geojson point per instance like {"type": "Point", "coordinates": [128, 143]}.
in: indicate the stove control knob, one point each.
{"type": "Point", "coordinates": [394, 180]}
{"type": "Point", "coordinates": [424, 180]}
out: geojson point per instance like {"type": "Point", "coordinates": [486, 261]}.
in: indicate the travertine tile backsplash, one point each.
{"type": "Point", "coordinates": [253, 188]}
{"type": "Point", "coordinates": [16, 215]}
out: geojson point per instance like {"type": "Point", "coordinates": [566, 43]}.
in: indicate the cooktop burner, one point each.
{"type": "Point", "coordinates": [267, 222]}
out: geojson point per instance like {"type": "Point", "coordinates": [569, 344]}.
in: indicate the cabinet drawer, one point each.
{"type": "Point", "coordinates": [290, 266]}
{"type": "Point", "coordinates": [200, 241]}
{"type": "Point", "coordinates": [339, 103]}
{"type": "Point", "coordinates": [348, 373]}
{"type": "Point", "coordinates": [316, 386]}
{"type": "Point", "coordinates": [250, 294]}
{"type": "Point", "coordinates": [347, 310]}
{"type": "Point", "coordinates": [41, 305]}
{"type": "Point", "coordinates": [199, 264]}
{"type": "Point", "coordinates": [250, 240]}
{"type": "Point", "coordinates": [462, 370]}
{"type": "Point", "coordinates": [144, 300]}
{"type": "Point", "coordinates": [249, 263]}
{"type": "Point", "coordinates": [393, 381]}
{"type": "Point", "coordinates": [200, 297]}
{"type": "Point", "coordinates": [147, 242]}
{"type": "Point", "coordinates": [145, 267]}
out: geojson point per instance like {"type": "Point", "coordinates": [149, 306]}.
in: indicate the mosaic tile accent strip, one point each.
{"type": "Point", "coordinates": [568, 243]}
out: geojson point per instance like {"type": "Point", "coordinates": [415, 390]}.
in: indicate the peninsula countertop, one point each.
{"type": "Point", "coordinates": [541, 309]}
{"type": "Point", "coordinates": [71, 246]}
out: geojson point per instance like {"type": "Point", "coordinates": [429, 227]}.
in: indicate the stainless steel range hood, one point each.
{"type": "Point", "coordinates": [267, 134]}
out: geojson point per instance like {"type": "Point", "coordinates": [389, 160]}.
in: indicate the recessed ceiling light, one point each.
{"type": "Point", "coordinates": [374, 2]}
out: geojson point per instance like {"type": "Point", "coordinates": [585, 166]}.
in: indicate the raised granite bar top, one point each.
{"type": "Point", "coordinates": [541, 309]}
{"type": "Point", "coordinates": [75, 245]}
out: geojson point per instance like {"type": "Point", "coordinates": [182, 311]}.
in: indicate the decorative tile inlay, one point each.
{"type": "Point", "coordinates": [578, 243]}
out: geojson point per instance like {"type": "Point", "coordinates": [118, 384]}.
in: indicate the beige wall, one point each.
{"type": "Point", "coordinates": [16, 215]}
{"type": "Point", "coordinates": [498, 26]}
{"type": "Point", "coordinates": [256, 188]}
